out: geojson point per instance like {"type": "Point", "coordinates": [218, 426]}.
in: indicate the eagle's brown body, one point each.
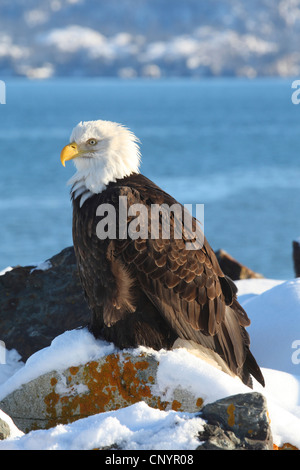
{"type": "Point", "coordinates": [152, 291]}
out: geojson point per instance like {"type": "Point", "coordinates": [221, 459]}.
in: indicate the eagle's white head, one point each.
{"type": "Point", "coordinates": [103, 152]}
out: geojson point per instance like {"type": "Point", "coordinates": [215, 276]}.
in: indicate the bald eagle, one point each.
{"type": "Point", "coordinates": [147, 290]}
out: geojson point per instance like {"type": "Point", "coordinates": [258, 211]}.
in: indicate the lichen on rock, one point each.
{"type": "Point", "coordinates": [108, 383]}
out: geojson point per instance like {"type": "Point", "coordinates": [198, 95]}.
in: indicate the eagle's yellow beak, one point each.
{"type": "Point", "coordinates": [69, 152]}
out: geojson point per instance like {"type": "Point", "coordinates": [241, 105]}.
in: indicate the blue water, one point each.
{"type": "Point", "coordinates": [230, 144]}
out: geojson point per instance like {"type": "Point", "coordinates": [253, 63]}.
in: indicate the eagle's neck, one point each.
{"type": "Point", "coordinates": [83, 190]}
{"type": "Point", "coordinates": [94, 174]}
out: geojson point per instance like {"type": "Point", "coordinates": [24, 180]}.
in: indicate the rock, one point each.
{"type": "Point", "coordinates": [216, 438]}
{"type": "Point", "coordinates": [232, 268]}
{"type": "Point", "coordinates": [237, 422]}
{"type": "Point", "coordinates": [122, 378]}
{"type": "Point", "coordinates": [37, 305]}
{"type": "Point", "coordinates": [4, 430]}
{"type": "Point", "coordinates": [296, 257]}
{"type": "Point", "coordinates": [112, 382]}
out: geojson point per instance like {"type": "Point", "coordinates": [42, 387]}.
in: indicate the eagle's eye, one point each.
{"type": "Point", "coordinates": [92, 142]}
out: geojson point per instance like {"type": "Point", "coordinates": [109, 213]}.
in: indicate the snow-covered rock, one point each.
{"type": "Point", "coordinates": [111, 382]}
{"type": "Point", "coordinates": [77, 377]}
{"type": "Point", "coordinates": [8, 429]}
{"type": "Point", "coordinates": [140, 426]}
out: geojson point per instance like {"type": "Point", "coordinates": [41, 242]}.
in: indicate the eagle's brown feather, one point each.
{"type": "Point", "coordinates": [152, 291]}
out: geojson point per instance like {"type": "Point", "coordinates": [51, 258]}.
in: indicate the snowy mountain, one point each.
{"type": "Point", "coordinates": [129, 38]}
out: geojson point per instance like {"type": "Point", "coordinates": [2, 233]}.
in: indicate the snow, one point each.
{"type": "Point", "coordinates": [138, 427]}
{"type": "Point", "coordinates": [42, 266]}
{"type": "Point", "coordinates": [274, 309]}
{"type": "Point", "coordinates": [69, 349]}
{"type": "Point", "coordinates": [190, 39]}
{"type": "Point", "coordinates": [74, 37]}
{"type": "Point", "coordinates": [14, 431]}
{"type": "Point", "coordinates": [275, 325]}
{"type": "Point", "coordinates": [5, 270]}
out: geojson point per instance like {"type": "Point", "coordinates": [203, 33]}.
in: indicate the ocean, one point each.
{"type": "Point", "coordinates": [230, 144]}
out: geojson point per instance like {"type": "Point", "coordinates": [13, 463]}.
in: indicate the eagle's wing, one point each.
{"type": "Point", "coordinates": [189, 290]}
